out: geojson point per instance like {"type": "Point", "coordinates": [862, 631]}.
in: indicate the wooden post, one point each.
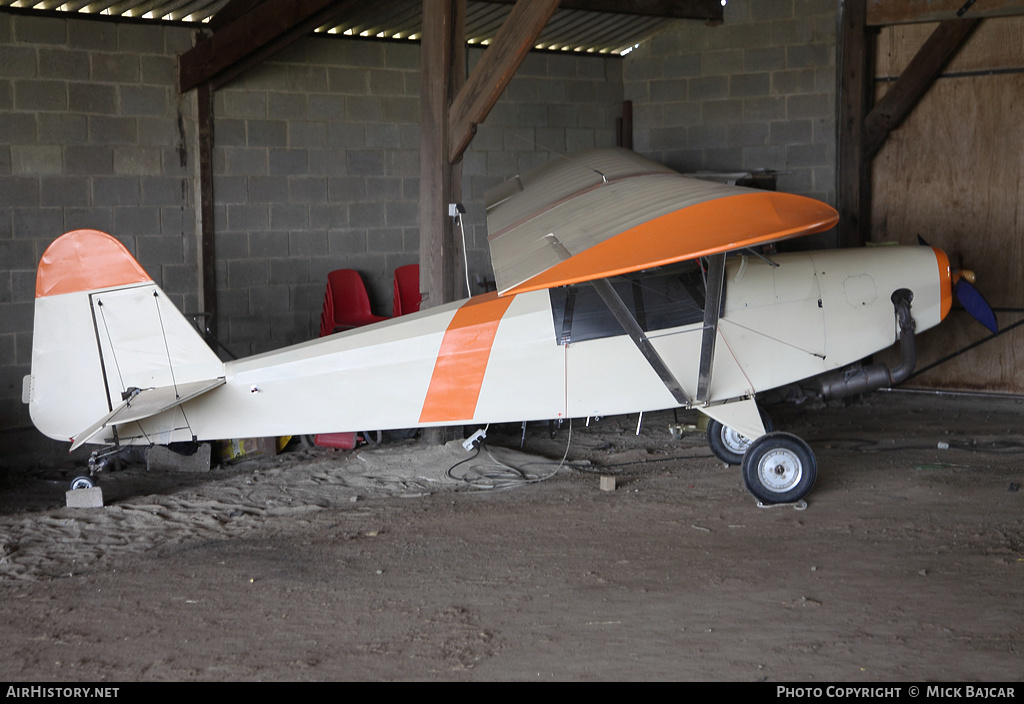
{"type": "Point", "coordinates": [205, 231]}
{"type": "Point", "coordinates": [854, 173]}
{"type": "Point", "coordinates": [456, 82]}
{"type": "Point", "coordinates": [450, 109]}
{"type": "Point", "coordinates": [442, 71]}
{"type": "Point", "coordinates": [439, 182]}
{"type": "Point", "coordinates": [624, 126]}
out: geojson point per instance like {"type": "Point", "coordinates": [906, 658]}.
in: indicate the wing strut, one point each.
{"type": "Point", "coordinates": [712, 311]}
{"type": "Point", "coordinates": [632, 328]}
{"type": "Point", "coordinates": [636, 334]}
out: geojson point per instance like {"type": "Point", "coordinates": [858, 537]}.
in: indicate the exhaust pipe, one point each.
{"type": "Point", "coordinates": [862, 379]}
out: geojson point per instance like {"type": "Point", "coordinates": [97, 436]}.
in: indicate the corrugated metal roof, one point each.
{"type": "Point", "coordinates": [578, 31]}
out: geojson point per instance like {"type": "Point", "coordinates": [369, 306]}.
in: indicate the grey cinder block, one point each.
{"type": "Point", "coordinates": [85, 498]}
{"type": "Point", "coordinates": [160, 457]}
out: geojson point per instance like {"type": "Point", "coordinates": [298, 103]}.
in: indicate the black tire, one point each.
{"type": "Point", "coordinates": [779, 468]}
{"type": "Point", "coordinates": [729, 445]}
{"type": "Point", "coordinates": [82, 482]}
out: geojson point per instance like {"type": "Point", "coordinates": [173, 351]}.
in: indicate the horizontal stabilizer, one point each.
{"type": "Point", "coordinates": [145, 403]}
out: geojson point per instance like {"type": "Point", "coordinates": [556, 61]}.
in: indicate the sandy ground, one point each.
{"type": "Point", "coordinates": [907, 563]}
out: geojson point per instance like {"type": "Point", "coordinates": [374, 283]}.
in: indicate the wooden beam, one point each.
{"type": "Point", "coordinates": [675, 9]}
{"type": "Point", "coordinates": [914, 82]}
{"type": "Point", "coordinates": [885, 12]}
{"type": "Point", "coordinates": [207, 258]}
{"type": "Point", "coordinates": [438, 76]}
{"type": "Point", "coordinates": [456, 81]}
{"type": "Point", "coordinates": [624, 126]}
{"type": "Point", "coordinates": [253, 37]}
{"type": "Point", "coordinates": [442, 73]}
{"type": "Point", "coordinates": [494, 71]}
{"type": "Point", "coordinates": [231, 11]}
{"type": "Point", "coordinates": [854, 184]}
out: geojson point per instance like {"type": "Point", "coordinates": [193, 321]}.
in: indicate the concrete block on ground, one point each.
{"type": "Point", "coordinates": [85, 498]}
{"type": "Point", "coordinates": [161, 457]}
{"type": "Point", "coordinates": [607, 483]}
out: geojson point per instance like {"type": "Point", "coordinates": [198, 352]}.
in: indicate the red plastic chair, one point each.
{"type": "Point", "coordinates": [346, 304]}
{"type": "Point", "coordinates": [407, 290]}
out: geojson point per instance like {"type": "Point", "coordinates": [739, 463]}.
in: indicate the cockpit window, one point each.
{"type": "Point", "coordinates": [661, 298]}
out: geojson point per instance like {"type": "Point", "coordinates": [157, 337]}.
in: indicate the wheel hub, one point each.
{"type": "Point", "coordinates": [737, 442]}
{"type": "Point", "coordinates": [780, 470]}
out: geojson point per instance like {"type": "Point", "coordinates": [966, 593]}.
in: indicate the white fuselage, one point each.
{"type": "Point", "coordinates": [494, 359]}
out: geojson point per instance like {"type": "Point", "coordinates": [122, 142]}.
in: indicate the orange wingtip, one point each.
{"type": "Point", "coordinates": [86, 260]}
{"type": "Point", "coordinates": [718, 225]}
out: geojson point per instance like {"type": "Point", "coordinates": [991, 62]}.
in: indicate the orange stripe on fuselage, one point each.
{"type": "Point", "coordinates": [86, 260]}
{"type": "Point", "coordinates": [462, 360]}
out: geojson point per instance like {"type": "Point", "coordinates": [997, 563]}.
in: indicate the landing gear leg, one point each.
{"type": "Point", "coordinates": [728, 444]}
{"type": "Point", "coordinates": [98, 461]}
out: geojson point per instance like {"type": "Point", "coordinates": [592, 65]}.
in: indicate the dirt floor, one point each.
{"type": "Point", "coordinates": [906, 564]}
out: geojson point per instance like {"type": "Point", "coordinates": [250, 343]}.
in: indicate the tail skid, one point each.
{"type": "Point", "coordinates": [109, 347]}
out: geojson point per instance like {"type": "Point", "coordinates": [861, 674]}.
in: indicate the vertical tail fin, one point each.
{"type": "Point", "coordinates": [103, 327]}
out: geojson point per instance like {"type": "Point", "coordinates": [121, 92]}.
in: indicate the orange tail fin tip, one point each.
{"type": "Point", "coordinates": [86, 260]}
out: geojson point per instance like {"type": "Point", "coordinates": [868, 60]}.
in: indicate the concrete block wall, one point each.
{"type": "Point", "coordinates": [556, 104]}
{"type": "Point", "coordinates": [757, 92]}
{"type": "Point", "coordinates": [92, 135]}
{"type": "Point", "coordinates": [316, 160]}
{"type": "Point", "coordinates": [315, 168]}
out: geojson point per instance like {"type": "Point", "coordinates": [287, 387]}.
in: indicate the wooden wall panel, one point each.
{"type": "Point", "coordinates": [953, 173]}
{"type": "Point", "coordinates": [996, 45]}
{"type": "Point", "coordinates": [890, 12]}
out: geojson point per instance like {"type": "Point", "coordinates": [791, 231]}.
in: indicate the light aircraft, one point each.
{"type": "Point", "coordinates": [622, 287]}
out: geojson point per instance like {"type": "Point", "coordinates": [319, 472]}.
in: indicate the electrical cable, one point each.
{"type": "Point", "coordinates": [967, 348]}
{"type": "Point", "coordinates": [505, 476]}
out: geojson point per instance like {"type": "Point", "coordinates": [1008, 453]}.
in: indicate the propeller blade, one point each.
{"type": "Point", "coordinates": [975, 304]}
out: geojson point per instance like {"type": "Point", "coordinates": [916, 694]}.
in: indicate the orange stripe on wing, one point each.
{"type": "Point", "coordinates": [718, 225]}
{"type": "Point", "coordinates": [459, 371]}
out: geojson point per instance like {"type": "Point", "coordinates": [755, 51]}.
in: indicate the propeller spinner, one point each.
{"type": "Point", "coordinates": [969, 297]}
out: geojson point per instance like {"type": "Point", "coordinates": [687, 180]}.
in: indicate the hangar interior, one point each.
{"type": "Point", "coordinates": [243, 149]}
{"type": "Point", "coordinates": [241, 156]}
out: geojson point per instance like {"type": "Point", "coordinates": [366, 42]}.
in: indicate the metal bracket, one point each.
{"type": "Point", "coordinates": [712, 312]}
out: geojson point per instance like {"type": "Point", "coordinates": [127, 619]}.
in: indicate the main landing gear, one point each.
{"type": "Point", "coordinates": [730, 445]}
{"type": "Point", "coordinates": [777, 468]}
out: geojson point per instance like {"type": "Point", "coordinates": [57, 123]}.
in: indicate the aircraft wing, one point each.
{"type": "Point", "coordinates": [144, 403]}
{"type": "Point", "coordinates": [605, 212]}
